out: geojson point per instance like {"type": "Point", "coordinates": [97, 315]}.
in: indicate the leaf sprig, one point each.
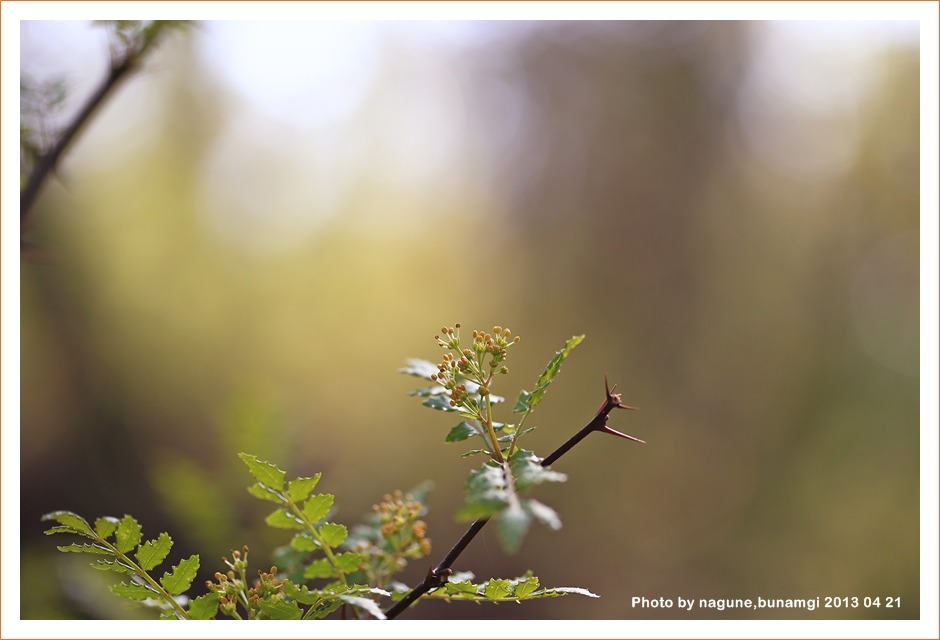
{"type": "Point", "coordinates": [464, 379]}
{"type": "Point", "coordinates": [118, 542]}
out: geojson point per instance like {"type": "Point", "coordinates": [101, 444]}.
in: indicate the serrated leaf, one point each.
{"type": "Point", "coordinates": [303, 542]}
{"type": "Point", "coordinates": [323, 608]}
{"type": "Point", "coordinates": [485, 491]}
{"type": "Point", "coordinates": [512, 524]}
{"type": "Point", "coordinates": [367, 605]}
{"type": "Point", "coordinates": [497, 589]}
{"type": "Point", "coordinates": [349, 561]}
{"type": "Point", "coordinates": [299, 489]}
{"type": "Point", "coordinates": [72, 522]}
{"type": "Point", "coordinates": [204, 607]}
{"type": "Point", "coordinates": [85, 548]}
{"type": "Point", "coordinates": [282, 519]}
{"type": "Point", "coordinates": [319, 569]}
{"type": "Point", "coordinates": [112, 565]}
{"type": "Point", "coordinates": [301, 593]}
{"type": "Point", "coordinates": [317, 507]}
{"type": "Point", "coordinates": [525, 587]}
{"type": "Point", "coordinates": [280, 609]}
{"type": "Point", "coordinates": [264, 472]}
{"type": "Point", "coordinates": [527, 470]}
{"type": "Point", "coordinates": [265, 492]}
{"type": "Point", "coordinates": [153, 552]}
{"type": "Point", "coordinates": [461, 432]}
{"type": "Point", "coordinates": [106, 525]}
{"type": "Point", "coordinates": [419, 368]}
{"type": "Point", "coordinates": [134, 591]}
{"type": "Point", "coordinates": [527, 401]}
{"type": "Point", "coordinates": [181, 577]}
{"type": "Point", "coordinates": [333, 534]}
{"type": "Point", "coordinates": [128, 533]}
{"type": "Point", "coordinates": [464, 586]}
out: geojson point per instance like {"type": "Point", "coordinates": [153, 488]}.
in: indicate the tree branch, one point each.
{"type": "Point", "coordinates": [438, 575]}
{"type": "Point", "coordinates": [47, 163]}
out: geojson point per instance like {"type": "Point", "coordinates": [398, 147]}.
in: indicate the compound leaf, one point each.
{"type": "Point", "coordinates": [181, 577]}
{"type": "Point", "coordinates": [204, 607]}
{"type": "Point", "coordinates": [281, 519]}
{"type": "Point", "coordinates": [264, 472]}
{"type": "Point", "coordinates": [317, 507]}
{"type": "Point", "coordinates": [280, 609]}
{"type": "Point", "coordinates": [528, 400]}
{"type": "Point", "coordinates": [71, 523]}
{"type": "Point", "coordinates": [333, 534]}
{"type": "Point", "coordinates": [128, 533]}
{"type": "Point", "coordinates": [106, 525]}
{"type": "Point", "coordinates": [153, 552]}
{"type": "Point", "coordinates": [299, 489]}
{"type": "Point", "coordinates": [134, 591]}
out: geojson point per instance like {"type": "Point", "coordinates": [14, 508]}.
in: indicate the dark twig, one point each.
{"type": "Point", "coordinates": [47, 163]}
{"type": "Point", "coordinates": [438, 575]}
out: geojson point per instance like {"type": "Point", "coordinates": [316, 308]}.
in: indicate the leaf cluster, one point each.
{"type": "Point", "coordinates": [120, 547]}
{"type": "Point", "coordinates": [464, 381]}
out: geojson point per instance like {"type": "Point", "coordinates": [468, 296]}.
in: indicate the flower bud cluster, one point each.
{"type": "Point", "coordinates": [233, 590]}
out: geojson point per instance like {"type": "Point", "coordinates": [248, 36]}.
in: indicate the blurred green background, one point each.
{"type": "Point", "coordinates": [262, 225]}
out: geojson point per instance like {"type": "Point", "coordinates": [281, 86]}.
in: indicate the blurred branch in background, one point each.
{"type": "Point", "coordinates": [131, 41]}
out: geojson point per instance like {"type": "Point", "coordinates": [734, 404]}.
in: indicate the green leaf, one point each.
{"type": "Point", "coordinates": [527, 401]}
{"type": "Point", "coordinates": [301, 593]}
{"type": "Point", "coordinates": [525, 587]}
{"type": "Point", "coordinates": [461, 432]}
{"type": "Point", "coordinates": [153, 552]}
{"type": "Point", "coordinates": [112, 565]}
{"type": "Point", "coordinates": [105, 526]}
{"type": "Point", "coordinates": [181, 577]}
{"type": "Point", "coordinates": [204, 607]}
{"type": "Point", "coordinates": [441, 403]}
{"type": "Point", "coordinates": [303, 542]}
{"type": "Point", "coordinates": [299, 489]}
{"type": "Point", "coordinates": [85, 548]}
{"type": "Point", "coordinates": [367, 605]}
{"type": "Point", "coordinates": [280, 609]}
{"type": "Point", "coordinates": [485, 491]}
{"type": "Point", "coordinates": [527, 470]}
{"type": "Point", "coordinates": [127, 535]}
{"type": "Point", "coordinates": [319, 569]}
{"type": "Point", "coordinates": [264, 472]}
{"type": "Point", "coordinates": [333, 534]}
{"type": "Point", "coordinates": [134, 591]}
{"type": "Point", "coordinates": [349, 561]}
{"type": "Point", "coordinates": [281, 519]}
{"type": "Point", "coordinates": [464, 586]}
{"type": "Point", "coordinates": [497, 589]}
{"type": "Point", "coordinates": [419, 368]}
{"type": "Point", "coordinates": [265, 492]}
{"type": "Point", "coordinates": [317, 507]}
{"type": "Point", "coordinates": [474, 452]}
{"type": "Point", "coordinates": [512, 524]}
{"type": "Point", "coordinates": [428, 391]}
{"type": "Point", "coordinates": [72, 523]}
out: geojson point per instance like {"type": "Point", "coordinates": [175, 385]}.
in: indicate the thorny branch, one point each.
{"type": "Point", "coordinates": [438, 575]}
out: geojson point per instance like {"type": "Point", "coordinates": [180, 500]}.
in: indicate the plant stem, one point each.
{"type": "Point", "coordinates": [438, 575]}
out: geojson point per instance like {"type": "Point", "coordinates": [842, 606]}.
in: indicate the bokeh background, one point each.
{"type": "Point", "coordinates": [260, 227]}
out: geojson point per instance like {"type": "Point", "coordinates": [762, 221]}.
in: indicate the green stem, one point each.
{"type": "Point", "coordinates": [327, 550]}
